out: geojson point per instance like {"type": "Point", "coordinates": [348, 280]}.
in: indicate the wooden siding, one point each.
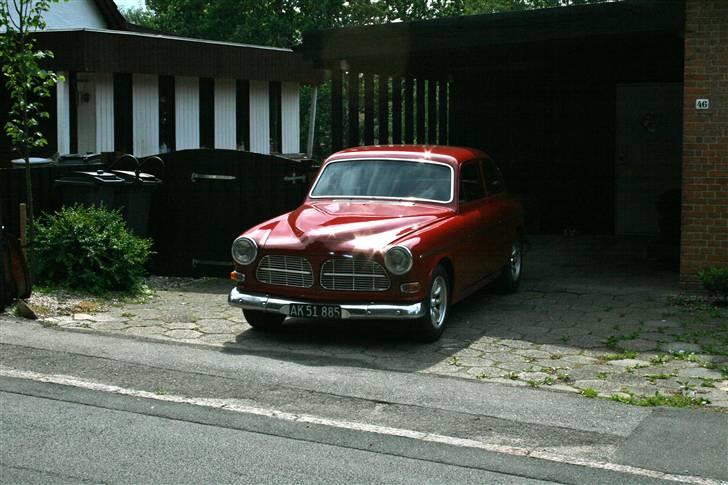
{"type": "Point", "coordinates": [225, 126]}
{"type": "Point", "coordinates": [85, 113]}
{"type": "Point", "coordinates": [104, 112]}
{"type": "Point", "coordinates": [187, 112]}
{"type": "Point", "coordinates": [259, 117]}
{"type": "Point", "coordinates": [146, 114]}
{"type": "Point", "coordinates": [291, 118]}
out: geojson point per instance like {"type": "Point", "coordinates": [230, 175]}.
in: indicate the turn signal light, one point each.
{"type": "Point", "coordinates": [237, 277]}
{"type": "Point", "coordinates": [413, 287]}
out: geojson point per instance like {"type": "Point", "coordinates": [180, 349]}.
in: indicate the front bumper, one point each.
{"type": "Point", "coordinates": [349, 311]}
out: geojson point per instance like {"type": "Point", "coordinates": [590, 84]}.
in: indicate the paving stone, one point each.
{"type": "Point", "coordinates": [182, 334]}
{"type": "Point", "coordinates": [82, 316]}
{"type": "Point", "coordinates": [606, 387]}
{"type": "Point", "coordinates": [628, 363]}
{"type": "Point", "coordinates": [587, 341]}
{"type": "Point", "coordinates": [532, 353]}
{"type": "Point", "coordinates": [214, 326]}
{"type": "Point", "coordinates": [143, 331]}
{"type": "Point", "coordinates": [638, 345]}
{"type": "Point", "coordinates": [700, 372]}
{"type": "Point", "coordinates": [475, 362]}
{"type": "Point", "coordinates": [675, 347]}
{"type": "Point", "coordinates": [216, 339]}
{"type": "Point", "coordinates": [180, 325]}
{"type": "Point", "coordinates": [576, 359]}
{"type": "Point", "coordinates": [108, 325]}
{"type": "Point", "coordinates": [487, 372]}
{"type": "Point", "coordinates": [514, 366]}
{"type": "Point", "coordinates": [656, 324]}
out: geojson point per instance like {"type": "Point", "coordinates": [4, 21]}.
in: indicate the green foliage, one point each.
{"type": "Point", "coordinates": [672, 400]}
{"type": "Point", "coordinates": [715, 281]}
{"type": "Point", "coordinates": [90, 249]}
{"type": "Point", "coordinates": [27, 82]}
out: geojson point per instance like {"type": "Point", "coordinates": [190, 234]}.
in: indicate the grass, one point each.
{"type": "Point", "coordinates": [628, 354]}
{"type": "Point", "coordinates": [654, 377]}
{"type": "Point", "coordinates": [555, 356]}
{"type": "Point", "coordinates": [589, 392]}
{"type": "Point", "coordinates": [671, 400]}
{"type": "Point", "coordinates": [602, 376]}
{"type": "Point", "coordinates": [455, 360]}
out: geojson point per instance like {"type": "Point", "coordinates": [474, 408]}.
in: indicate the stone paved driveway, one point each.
{"type": "Point", "coordinates": [594, 315]}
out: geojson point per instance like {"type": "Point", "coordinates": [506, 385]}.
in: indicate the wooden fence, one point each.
{"type": "Point", "coordinates": [207, 198]}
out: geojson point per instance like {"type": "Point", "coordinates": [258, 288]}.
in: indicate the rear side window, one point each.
{"type": "Point", "coordinates": [471, 182]}
{"type": "Point", "coordinates": [493, 179]}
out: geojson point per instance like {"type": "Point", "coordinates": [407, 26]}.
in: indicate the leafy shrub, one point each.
{"type": "Point", "coordinates": [715, 281]}
{"type": "Point", "coordinates": [88, 248]}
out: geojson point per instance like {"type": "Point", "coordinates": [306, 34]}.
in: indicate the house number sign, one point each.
{"type": "Point", "coordinates": [702, 104]}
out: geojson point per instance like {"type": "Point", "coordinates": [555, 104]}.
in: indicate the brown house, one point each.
{"type": "Point", "coordinates": [607, 119]}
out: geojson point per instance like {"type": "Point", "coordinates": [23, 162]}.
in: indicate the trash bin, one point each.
{"type": "Point", "coordinates": [136, 198]}
{"type": "Point", "coordinates": [91, 188]}
{"type": "Point", "coordinates": [129, 192]}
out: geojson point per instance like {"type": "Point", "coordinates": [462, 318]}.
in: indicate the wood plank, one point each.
{"type": "Point", "coordinates": [337, 111]}
{"type": "Point", "coordinates": [409, 108]}
{"type": "Point", "coordinates": [368, 109]}
{"type": "Point", "coordinates": [432, 111]}
{"type": "Point", "coordinates": [421, 115]}
{"type": "Point", "coordinates": [442, 112]}
{"type": "Point", "coordinates": [396, 111]}
{"type": "Point", "coordinates": [383, 114]}
{"type": "Point", "coordinates": [353, 85]}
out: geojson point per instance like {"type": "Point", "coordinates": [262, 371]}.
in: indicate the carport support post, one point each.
{"type": "Point", "coordinates": [312, 121]}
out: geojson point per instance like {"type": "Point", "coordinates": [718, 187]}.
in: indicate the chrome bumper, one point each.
{"type": "Point", "coordinates": [370, 311]}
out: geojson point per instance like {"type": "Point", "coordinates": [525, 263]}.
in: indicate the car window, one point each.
{"type": "Point", "coordinates": [493, 179]}
{"type": "Point", "coordinates": [471, 183]}
{"type": "Point", "coordinates": [389, 179]}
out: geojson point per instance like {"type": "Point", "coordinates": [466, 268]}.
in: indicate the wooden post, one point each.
{"type": "Point", "coordinates": [23, 228]}
{"type": "Point", "coordinates": [409, 111]}
{"type": "Point", "coordinates": [442, 112]}
{"type": "Point", "coordinates": [432, 112]}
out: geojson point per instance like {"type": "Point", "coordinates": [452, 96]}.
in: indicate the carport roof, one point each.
{"type": "Point", "coordinates": [392, 47]}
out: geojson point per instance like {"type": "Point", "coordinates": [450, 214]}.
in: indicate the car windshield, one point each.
{"type": "Point", "coordinates": [390, 179]}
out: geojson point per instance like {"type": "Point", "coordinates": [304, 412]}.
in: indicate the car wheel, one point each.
{"type": "Point", "coordinates": [510, 276]}
{"type": "Point", "coordinates": [429, 327]}
{"type": "Point", "coordinates": [263, 320]}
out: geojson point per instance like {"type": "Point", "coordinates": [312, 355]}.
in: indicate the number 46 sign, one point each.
{"type": "Point", "coordinates": [702, 104]}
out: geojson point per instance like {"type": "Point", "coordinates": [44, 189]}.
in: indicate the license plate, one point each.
{"type": "Point", "coordinates": [304, 310]}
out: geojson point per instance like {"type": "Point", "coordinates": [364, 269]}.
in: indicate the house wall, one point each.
{"type": "Point", "coordinates": [705, 140]}
{"type": "Point", "coordinates": [146, 114]}
{"type": "Point", "coordinates": [187, 112]}
{"type": "Point", "coordinates": [72, 14]}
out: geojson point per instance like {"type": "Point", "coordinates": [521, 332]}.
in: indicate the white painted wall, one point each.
{"type": "Point", "coordinates": [86, 112]}
{"type": "Point", "coordinates": [259, 117]}
{"type": "Point", "coordinates": [225, 123]}
{"type": "Point", "coordinates": [187, 112]}
{"type": "Point", "coordinates": [63, 119]}
{"type": "Point", "coordinates": [290, 118]}
{"type": "Point", "coordinates": [145, 99]}
{"type": "Point", "coordinates": [104, 112]}
{"type": "Point", "coordinates": [71, 14]}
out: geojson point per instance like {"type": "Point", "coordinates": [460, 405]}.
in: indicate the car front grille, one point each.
{"type": "Point", "coordinates": [281, 270]}
{"type": "Point", "coordinates": [353, 275]}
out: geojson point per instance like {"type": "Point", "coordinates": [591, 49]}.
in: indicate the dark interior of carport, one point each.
{"type": "Point", "coordinates": [581, 106]}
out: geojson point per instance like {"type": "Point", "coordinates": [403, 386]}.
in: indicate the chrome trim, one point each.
{"type": "Point", "coordinates": [300, 276]}
{"type": "Point", "coordinates": [389, 159]}
{"type": "Point", "coordinates": [328, 271]}
{"type": "Point", "coordinates": [255, 245]}
{"type": "Point", "coordinates": [349, 311]}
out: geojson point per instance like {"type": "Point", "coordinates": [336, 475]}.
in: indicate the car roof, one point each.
{"type": "Point", "coordinates": [438, 153]}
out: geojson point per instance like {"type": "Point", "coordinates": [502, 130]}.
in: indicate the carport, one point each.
{"type": "Point", "coordinates": [581, 106]}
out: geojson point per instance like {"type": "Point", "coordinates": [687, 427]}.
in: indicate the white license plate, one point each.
{"type": "Point", "coordinates": [305, 310]}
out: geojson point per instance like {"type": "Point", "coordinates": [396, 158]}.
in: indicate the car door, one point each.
{"type": "Point", "coordinates": [473, 257]}
{"type": "Point", "coordinates": [498, 215]}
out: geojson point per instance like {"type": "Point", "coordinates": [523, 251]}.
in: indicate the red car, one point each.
{"type": "Point", "coordinates": [386, 232]}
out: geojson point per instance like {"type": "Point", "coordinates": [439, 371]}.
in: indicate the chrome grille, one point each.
{"type": "Point", "coordinates": [284, 270]}
{"type": "Point", "coordinates": [353, 275]}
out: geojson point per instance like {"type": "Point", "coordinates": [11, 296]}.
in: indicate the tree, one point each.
{"type": "Point", "coordinates": [27, 83]}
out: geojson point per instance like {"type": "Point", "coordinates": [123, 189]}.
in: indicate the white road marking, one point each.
{"type": "Point", "coordinates": [238, 407]}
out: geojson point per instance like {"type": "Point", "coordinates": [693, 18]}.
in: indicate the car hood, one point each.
{"type": "Point", "coordinates": [346, 226]}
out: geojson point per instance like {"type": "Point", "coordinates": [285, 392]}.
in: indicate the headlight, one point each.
{"type": "Point", "coordinates": [244, 250]}
{"type": "Point", "coordinates": [398, 260]}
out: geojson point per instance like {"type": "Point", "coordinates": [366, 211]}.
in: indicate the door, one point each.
{"type": "Point", "coordinates": [648, 164]}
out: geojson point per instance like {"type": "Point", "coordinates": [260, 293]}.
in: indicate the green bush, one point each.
{"type": "Point", "coordinates": [715, 281]}
{"type": "Point", "coordinates": [89, 249]}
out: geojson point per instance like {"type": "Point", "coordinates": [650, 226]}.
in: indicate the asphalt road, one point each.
{"type": "Point", "coordinates": [77, 407]}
